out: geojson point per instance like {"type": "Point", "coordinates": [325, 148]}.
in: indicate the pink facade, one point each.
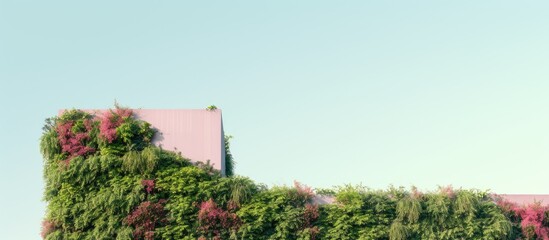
{"type": "Point", "coordinates": [196, 133]}
{"type": "Point", "coordinates": [527, 198]}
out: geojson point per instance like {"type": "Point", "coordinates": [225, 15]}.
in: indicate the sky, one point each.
{"type": "Point", "coordinates": [379, 93]}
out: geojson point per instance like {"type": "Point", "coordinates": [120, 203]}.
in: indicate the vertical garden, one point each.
{"type": "Point", "coordinates": [105, 180]}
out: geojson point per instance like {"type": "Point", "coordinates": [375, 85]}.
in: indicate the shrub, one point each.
{"type": "Point", "coordinates": [216, 222]}
{"type": "Point", "coordinates": [146, 217]}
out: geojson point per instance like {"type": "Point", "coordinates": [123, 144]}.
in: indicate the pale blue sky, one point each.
{"type": "Point", "coordinates": [421, 93]}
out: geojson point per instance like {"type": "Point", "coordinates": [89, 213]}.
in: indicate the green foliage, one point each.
{"type": "Point", "coordinates": [358, 214]}
{"type": "Point", "coordinates": [184, 188]}
{"type": "Point", "coordinates": [459, 214]}
{"type": "Point", "coordinates": [131, 134]}
{"type": "Point", "coordinates": [229, 161]}
{"type": "Point", "coordinates": [143, 162]}
{"type": "Point", "coordinates": [408, 210]}
{"type": "Point", "coordinates": [135, 134]}
{"type": "Point", "coordinates": [270, 214]}
{"type": "Point", "coordinates": [91, 197]}
{"type": "Point", "coordinates": [49, 146]}
{"type": "Point", "coordinates": [398, 231]}
{"type": "Point", "coordinates": [242, 189]}
{"type": "Point", "coordinates": [325, 191]}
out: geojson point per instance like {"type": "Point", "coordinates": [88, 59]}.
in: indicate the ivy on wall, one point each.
{"type": "Point", "coordinates": [105, 180]}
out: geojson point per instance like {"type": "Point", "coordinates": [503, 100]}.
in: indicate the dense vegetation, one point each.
{"type": "Point", "coordinates": [105, 180]}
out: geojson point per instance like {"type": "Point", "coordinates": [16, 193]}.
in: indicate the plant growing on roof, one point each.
{"type": "Point", "coordinates": [116, 192]}
{"type": "Point", "coordinates": [74, 131]}
{"type": "Point", "coordinates": [120, 132]}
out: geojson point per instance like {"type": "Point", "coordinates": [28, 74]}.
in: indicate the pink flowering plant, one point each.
{"type": "Point", "coordinates": [145, 218]}
{"type": "Point", "coordinates": [310, 216]}
{"type": "Point", "coordinates": [532, 219]}
{"type": "Point", "coordinates": [81, 134]}
{"type": "Point", "coordinates": [148, 184]}
{"type": "Point", "coordinates": [215, 222]}
{"type": "Point", "coordinates": [111, 120]}
{"type": "Point", "coordinates": [75, 134]}
{"type": "Point", "coordinates": [120, 132]}
{"type": "Point", "coordinates": [47, 228]}
{"type": "Point", "coordinates": [301, 194]}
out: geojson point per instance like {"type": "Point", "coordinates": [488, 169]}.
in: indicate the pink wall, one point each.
{"type": "Point", "coordinates": [196, 133]}
{"type": "Point", "coordinates": [527, 198]}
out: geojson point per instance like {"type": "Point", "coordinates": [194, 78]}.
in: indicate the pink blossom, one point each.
{"type": "Point", "coordinates": [149, 235]}
{"type": "Point", "coordinates": [146, 217]}
{"type": "Point", "coordinates": [532, 217]}
{"type": "Point", "coordinates": [310, 215]}
{"type": "Point", "coordinates": [148, 184]}
{"type": "Point", "coordinates": [214, 219]}
{"type": "Point", "coordinates": [110, 121]}
{"type": "Point", "coordinates": [74, 144]}
{"type": "Point", "coordinates": [303, 190]}
{"type": "Point", "coordinates": [47, 228]}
